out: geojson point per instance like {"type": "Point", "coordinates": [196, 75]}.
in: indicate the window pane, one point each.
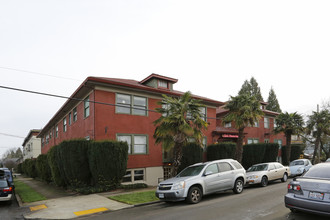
{"type": "Point", "coordinates": [123, 99]}
{"type": "Point", "coordinates": [162, 83]}
{"type": "Point", "coordinates": [141, 104]}
{"type": "Point", "coordinates": [213, 168]}
{"type": "Point", "coordinates": [126, 139]}
{"type": "Point", "coordinates": [140, 145]}
{"type": "Point", "coordinates": [225, 167]}
{"type": "Point", "coordinates": [122, 109]}
{"type": "Point", "coordinates": [127, 177]}
{"type": "Point", "coordinates": [138, 175]}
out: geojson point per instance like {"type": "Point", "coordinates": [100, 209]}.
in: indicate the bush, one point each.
{"type": "Point", "coordinates": [20, 168]}
{"type": "Point", "coordinates": [191, 153]}
{"type": "Point", "coordinates": [253, 154]}
{"type": "Point", "coordinates": [221, 151]}
{"type": "Point", "coordinates": [43, 169]}
{"type": "Point", "coordinates": [108, 162]}
{"type": "Point", "coordinates": [296, 150]}
{"type": "Point", "coordinates": [53, 162]}
{"type": "Point", "coordinates": [29, 168]}
{"type": "Point", "coordinates": [271, 152]}
{"type": "Point", "coordinates": [74, 166]}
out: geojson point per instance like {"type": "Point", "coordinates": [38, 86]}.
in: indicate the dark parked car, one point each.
{"type": "Point", "coordinates": [6, 190]}
{"type": "Point", "coordinates": [310, 192]}
{"type": "Point", "coordinates": [7, 174]}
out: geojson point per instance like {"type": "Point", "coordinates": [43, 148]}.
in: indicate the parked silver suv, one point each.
{"type": "Point", "coordinates": [201, 179]}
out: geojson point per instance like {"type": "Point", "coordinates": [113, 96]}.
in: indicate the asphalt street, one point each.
{"type": "Point", "coordinates": [9, 211]}
{"type": "Point", "coordinates": [254, 203]}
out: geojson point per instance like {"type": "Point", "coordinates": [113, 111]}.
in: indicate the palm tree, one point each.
{"type": "Point", "coordinates": [290, 124]}
{"type": "Point", "coordinates": [181, 119]}
{"type": "Point", "coordinates": [244, 110]}
{"type": "Point", "coordinates": [318, 124]}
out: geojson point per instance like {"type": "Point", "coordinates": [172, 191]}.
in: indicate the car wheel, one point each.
{"type": "Point", "coordinates": [194, 195]}
{"type": "Point", "coordinates": [264, 181]}
{"type": "Point", "coordinates": [239, 186]}
{"type": "Point", "coordinates": [285, 177]}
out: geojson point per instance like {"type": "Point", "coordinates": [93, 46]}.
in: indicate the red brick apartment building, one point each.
{"type": "Point", "coordinates": [121, 109]}
{"type": "Point", "coordinates": [261, 132]}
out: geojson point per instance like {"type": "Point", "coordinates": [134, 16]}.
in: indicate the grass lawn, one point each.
{"type": "Point", "coordinates": [136, 198]}
{"type": "Point", "coordinates": [26, 193]}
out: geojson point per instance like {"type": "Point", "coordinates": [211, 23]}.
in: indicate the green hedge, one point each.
{"type": "Point", "coordinates": [191, 153]}
{"type": "Point", "coordinates": [271, 152]}
{"type": "Point", "coordinates": [53, 162]}
{"type": "Point", "coordinates": [221, 151]}
{"type": "Point", "coordinates": [108, 162]}
{"type": "Point", "coordinates": [74, 165]}
{"type": "Point", "coordinates": [84, 166]}
{"type": "Point", "coordinates": [253, 154]}
{"type": "Point", "coordinates": [296, 150]}
{"type": "Point", "coordinates": [30, 168]}
{"type": "Point", "coordinates": [43, 169]}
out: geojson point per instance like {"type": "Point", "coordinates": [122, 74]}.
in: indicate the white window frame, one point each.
{"type": "Point", "coordinates": [266, 122]}
{"type": "Point", "coordinates": [133, 143]}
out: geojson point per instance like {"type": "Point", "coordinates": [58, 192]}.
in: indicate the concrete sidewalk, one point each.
{"type": "Point", "coordinates": [62, 204]}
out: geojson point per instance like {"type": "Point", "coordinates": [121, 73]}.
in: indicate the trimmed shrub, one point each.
{"type": "Point", "coordinates": [108, 162]}
{"type": "Point", "coordinates": [271, 152]}
{"type": "Point", "coordinates": [73, 157]}
{"type": "Point", "coordinates": [221, 151]}
{"type": "Point", "coordinates": [296, 150]}
{"type": "Point", "coordinates": [53, 163]}
{"type": "Point", "coordinates": [19, 168]}
{"type": "Point", "coordinates": [29, 167]}
{"type": "Point", "coordinates": [43, 168]}
{"type": "Point", "coordinates": [253, 154]}
{"type": "Point", "coordinates": [191, 153]}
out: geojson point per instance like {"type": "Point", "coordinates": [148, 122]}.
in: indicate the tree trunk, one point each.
{"type": "Point", "coordinates": [317, 151]}
{"type": "Point", "coordinates": [288, 148]}
{"type": "Point", "coordinates": [239, 147]}
{"type": "Point", "coordinates": [177, 159]}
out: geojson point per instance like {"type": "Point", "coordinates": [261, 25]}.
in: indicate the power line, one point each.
{"type": "Point", "coordinates": [11, 135]}
{"type": "Point", "coordinates": [77, 99]}
{"type": "Point", "coordinates": [37, 73]}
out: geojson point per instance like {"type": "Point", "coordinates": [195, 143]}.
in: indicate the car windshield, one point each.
{"type": "Point", "coordinates": [296, 163]}
{"type": "Point", "coordinates": [260, 167]}
{"type": "Point", "coordinates": [191, 171]}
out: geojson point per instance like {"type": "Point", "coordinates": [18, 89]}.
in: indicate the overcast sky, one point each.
{"type": "Point", "coordinates": [211, 47]}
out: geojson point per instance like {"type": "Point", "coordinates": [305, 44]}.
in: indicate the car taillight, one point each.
{"type": "Point", "coordinates": [8, 189]}
{"type": "Point", "coordinates": [295, 188]}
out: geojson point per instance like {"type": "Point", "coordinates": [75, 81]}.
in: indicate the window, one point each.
{"type": "Point", "coordinates": [266, 122]}
{"type": "Point", "coordinates": [256, 124]}
{"type": "Point", "coordinates": [162, 83]}
{"type": "Point", "coordinates": [202, 110]}
{"type": "Point", "coordinates": [86, 107]}
{"type": "Point", "coordinates": [228, 125]}
{"type": "Point", "coordinates": [253, 140]}
{"type": "Point", "coordinates": [134, 175]}
{"type": "Point", "coordinates": [51, 133]}
{"type": "Point", "coordinates": [64, 125]}
{"type": "Point", "coordinates": [213, 168]}
{"type": "Point", "coordinates": [267, 141]}
{"type": "Point", "coordinates": [75, 116]}
{"type": "Point", "coordinates": [139, 105]}
{"type": "Point", "coordinates": [275, 125]}
{"type": "Point", "coordinates": [278, 141]}
{"type": "Point", "coordinates": [128, 104]}
{"type": "Point", "coordinates": [225, 167]}
{"type": "Point", "coordinates": [56, 131]}
{"type": "Point", "coordinates": [70, 118]}
{"type": "Point", "coordinates": [137, 144]}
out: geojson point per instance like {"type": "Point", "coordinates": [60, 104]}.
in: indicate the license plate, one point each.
{"type": "Point", "coordinates": [161, 195]}
{"type": "Point", "coordinates": [316, 195]}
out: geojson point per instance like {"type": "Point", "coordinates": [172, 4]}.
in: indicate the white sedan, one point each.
{"type": "Point", "coordinates": [264, 172]}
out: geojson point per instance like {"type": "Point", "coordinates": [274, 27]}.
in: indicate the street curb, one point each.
{"type": "Point", "coordinates": [18, 199]}
{"type": "Point", "coordinates": [147, 203]}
